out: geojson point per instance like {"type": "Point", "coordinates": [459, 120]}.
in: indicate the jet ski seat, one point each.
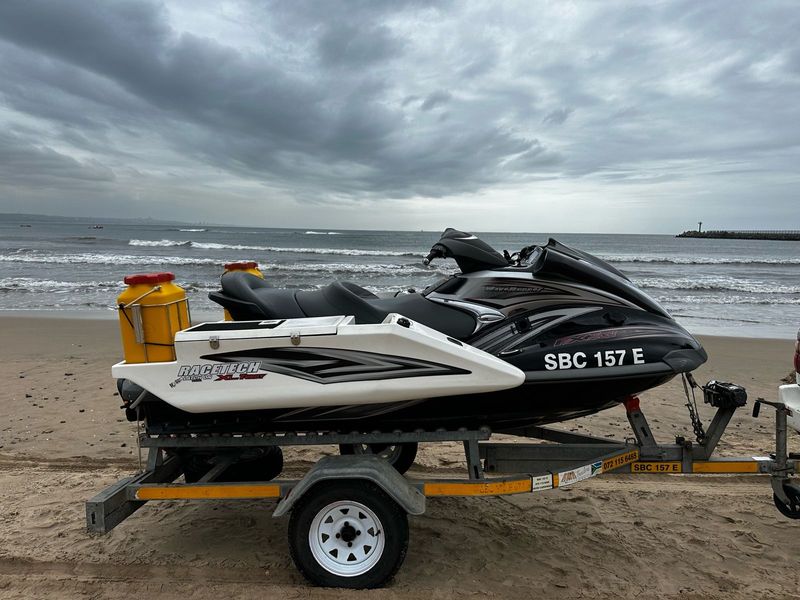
{"type": "Point", "coordinates": [249, 297]}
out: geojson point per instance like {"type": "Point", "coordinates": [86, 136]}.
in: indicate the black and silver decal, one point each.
{"type": "Point", "coordinates": [329, 365]}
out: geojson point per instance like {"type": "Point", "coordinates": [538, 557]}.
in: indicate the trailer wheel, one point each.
{"type": "Point", "coordinates": [348, 534]}
{"type": "Point", "coordinates": [791, 510]}
{"type": "Point", "coordinates": [400, 456]}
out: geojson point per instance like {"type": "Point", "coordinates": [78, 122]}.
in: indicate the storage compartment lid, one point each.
{"type": "Point", "coordinates": [272, 328]}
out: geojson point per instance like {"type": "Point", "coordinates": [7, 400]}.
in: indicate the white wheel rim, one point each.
{"type": "Point", "coordinates": [346, 538]}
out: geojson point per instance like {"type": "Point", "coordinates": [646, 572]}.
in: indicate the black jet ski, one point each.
{"type": "Point", "coordinates": [583, 336]}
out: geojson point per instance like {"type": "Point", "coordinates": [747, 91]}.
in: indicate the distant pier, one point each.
{"type": "Point", "coordinates": [785, 236]}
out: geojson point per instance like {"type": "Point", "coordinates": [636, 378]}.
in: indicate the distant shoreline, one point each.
{"type": "Point", "coordinates": [782, 236]}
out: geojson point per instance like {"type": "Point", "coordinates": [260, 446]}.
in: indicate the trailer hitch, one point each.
{"type": "Point", "coordinates": [786, 491]}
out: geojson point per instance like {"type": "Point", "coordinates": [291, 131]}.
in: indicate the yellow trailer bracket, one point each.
{"type": "Point", "coordinates": [719, 466]}
{"type": "Point", "coordinates": [206, 491]}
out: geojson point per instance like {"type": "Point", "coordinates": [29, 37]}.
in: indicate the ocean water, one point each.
{"type": "Point", "coordinates": [724, 287]}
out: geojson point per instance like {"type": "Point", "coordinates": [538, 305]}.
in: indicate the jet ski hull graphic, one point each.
{"type": "Point", "coordinates": [323, 361]}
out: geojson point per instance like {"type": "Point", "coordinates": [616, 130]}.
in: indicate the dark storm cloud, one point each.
{"type": "Point", "coordinates": [193, 78]}
{"type": "Point", "coordinates": [23, 164]}
{"type": "Point", "coordinates": [327, 101]}
{"type": "Point", "coordinates": [558, 116]}
{"type": "Point", "coordinates": [351, 46]}
{"type": "Point", "coordinates": [244, 113]}
{"type": "Point", "coordinates": [436, 99]}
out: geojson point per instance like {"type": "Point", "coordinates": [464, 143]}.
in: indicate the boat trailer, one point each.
{"type": "Point", "coordinates": [348, 514]}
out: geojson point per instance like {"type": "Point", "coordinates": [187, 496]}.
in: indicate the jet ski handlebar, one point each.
{"type": "Point", "coordinates": [437, 251]}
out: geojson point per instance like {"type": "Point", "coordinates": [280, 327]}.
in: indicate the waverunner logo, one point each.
{"type": "Point", "coordinates": [238, 371]}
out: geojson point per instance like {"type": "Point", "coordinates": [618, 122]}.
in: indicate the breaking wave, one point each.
{"type": "Point", "coordinates": [106, 259]}
{"type": "Point", "coordinates": [31, 284]}
{"type": "Point", "coordinates": [716, 284]}
{"type": "Point", "coordinates": [689, 299]}
{"type": "Point", "coordinates": [284, 270]}
{"type": "Point", "coordinates": [216, 246]}
{"type": "Point", "coordinates": [322, 233]}
{"type": "Point", "coordinates": [699, 260]}
{"type": "Point", "coordinates": [158, 243]}
{"type": "Point", "coordinates": [356, 269]}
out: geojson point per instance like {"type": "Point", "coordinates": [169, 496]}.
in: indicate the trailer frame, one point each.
{"type": "Point", "coordinates": [493, 468]}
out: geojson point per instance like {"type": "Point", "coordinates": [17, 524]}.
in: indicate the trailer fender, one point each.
{"type": "Point", "coordinates": [365, 467]}
{"type": "Point", "coordinates": [790, 396]}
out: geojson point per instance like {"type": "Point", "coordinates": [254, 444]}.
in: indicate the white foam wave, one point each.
{"type": "Point", "coordinates": [353, 268]}
{"type": "Point", "coordinates": [326, 270]}
{"type": "Point", "coordinates": [107, 259]}
{"type": "Point", "coordinates": [217, 246]}
{"type": "Point", "coordinates": [32, 284]}
{"type": "Point", "coordinates": [322, 233]}
{"type": "Point", "coordinates": [760, 300]}
{"type": "Point", "coordinates": [158, 243]}
{"type": "Point", "coordinates": [193, 230]}
{"type": "Point", "coordinates": [698, 260]}
{"type": "Point", "coordinates": [716, 284]}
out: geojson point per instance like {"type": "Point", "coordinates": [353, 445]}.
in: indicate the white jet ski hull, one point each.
{"type": "Point", "coordinates": [320, 361]}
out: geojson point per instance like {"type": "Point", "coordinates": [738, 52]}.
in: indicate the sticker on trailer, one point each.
{"type": "Point", "coordinates": [541, 482]}
{"type": "Point", "coordinates": [574, 475]}
{"type": "Point", "coordinates": [657, 467]}
{"type": "Point", "coordinates": [620, 461]}
{"type": "Point", "coordinates": [561, 361]}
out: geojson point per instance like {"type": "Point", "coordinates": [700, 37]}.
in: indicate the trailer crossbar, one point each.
{"type": "Point", "coordinates": [310, 438]}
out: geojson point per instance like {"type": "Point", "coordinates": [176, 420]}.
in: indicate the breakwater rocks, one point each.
{"type": "Point", "coordinates": [789, 235]}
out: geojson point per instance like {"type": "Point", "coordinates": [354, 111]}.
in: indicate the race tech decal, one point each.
{"type": "Point", "coordinates": [237, 371]}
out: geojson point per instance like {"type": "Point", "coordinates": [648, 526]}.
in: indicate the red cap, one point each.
{"type": "Point", "coordinates": [148, 278]}
{"type": "Point", "coordinates": [241, 266]}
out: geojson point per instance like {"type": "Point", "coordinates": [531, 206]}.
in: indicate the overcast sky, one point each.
{"type": "Point", "coordinates": [508, 116]}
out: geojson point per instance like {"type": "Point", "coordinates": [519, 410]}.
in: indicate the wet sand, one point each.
{"type": "Point", "coordinates": [63, 438]}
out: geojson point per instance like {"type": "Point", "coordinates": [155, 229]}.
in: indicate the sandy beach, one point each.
{"type": "Point", "coordinates": [63, 438]}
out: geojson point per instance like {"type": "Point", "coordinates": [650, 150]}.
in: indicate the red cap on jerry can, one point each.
{"type": "Point", "coordinates": [241, 266]}
{"type": "Point", "coordinates": [151, 278]}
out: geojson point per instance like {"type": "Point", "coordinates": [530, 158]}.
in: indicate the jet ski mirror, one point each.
{"type": "Point", "coordinates": [470, 253]}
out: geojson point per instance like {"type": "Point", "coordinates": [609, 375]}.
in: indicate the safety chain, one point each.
{"type": "Point", "coordinates": [691, 404]}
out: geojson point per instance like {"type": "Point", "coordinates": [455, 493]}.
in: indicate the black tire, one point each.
{"type": "Point", "coordinates": [400, 456]}
{"type": "Point", "coordinates": [194, 466]}
{"type": "Point", "coordinates": [392, 525]}
{"type": "Point", "coordinates": [793, 509]}
{"type": "Point", "coordinates": [255, 464]}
